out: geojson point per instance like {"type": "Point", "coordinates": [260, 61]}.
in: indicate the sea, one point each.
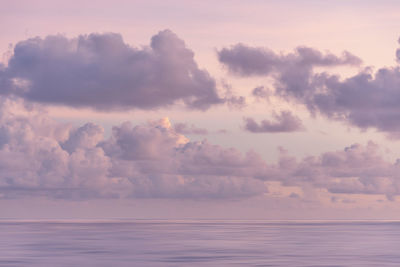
{"type": "Point", "coordinates": [199, 243]}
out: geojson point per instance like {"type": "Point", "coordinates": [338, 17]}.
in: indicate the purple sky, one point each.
{"type": "Point", "coordinates": [188, 109]}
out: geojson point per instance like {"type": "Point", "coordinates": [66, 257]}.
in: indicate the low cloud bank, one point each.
{"type": "Point", "coordinates": [42, 157]}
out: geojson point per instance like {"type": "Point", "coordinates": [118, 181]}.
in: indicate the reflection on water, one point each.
{"type": "Point", "coordinates": [199, 243]}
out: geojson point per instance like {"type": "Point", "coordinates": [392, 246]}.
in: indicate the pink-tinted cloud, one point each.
{"type": "Point", "coordinates": [41, 157]}
{"type": "Point", "coordinates": [364, 100]}
{"type": "Point", "coordinates": [184, 128]}
{"type": "Point", "coordinates": [101, 71]}
{"type": "Point", "coordinates": [355, 170]}
{"type": "Point", "coordinates": [283, 122]}
{"type": "Point", "coordinates": [246, 61]}
{"type": "Point", "coordinates": [261, 92]}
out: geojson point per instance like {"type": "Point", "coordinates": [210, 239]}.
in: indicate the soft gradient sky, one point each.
{"type": "Point", "coordinates": [326, 149]}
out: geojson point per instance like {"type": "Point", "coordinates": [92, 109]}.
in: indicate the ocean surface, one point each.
{"type": "Point", "coordinates": [199, 243]}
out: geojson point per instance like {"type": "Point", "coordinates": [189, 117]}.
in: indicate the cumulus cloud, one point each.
{"type": "Point", "coordinates": [39, 156]}
{"type": "Point", "coordinates": [293, 72]}
{"type": "Point", "coordinates": [103, 72]}
{"type": "Point", "coordinates": [283, 122]}
{"type": "Point", "coordinates": [365, 100]}
{"type": "Point", "coordinates": [42, 157]}
{"type": "Point", "coordinates": [357, 169]}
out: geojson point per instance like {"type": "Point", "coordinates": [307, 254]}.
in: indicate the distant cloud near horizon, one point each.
{"type": "Point", "coordinates": [45, 158]}
{"type": "Point", "coordinates": [365, 100]}
{"type": "Point", "coordinates": [102, 72]}
{"type": "Point", "coordinates": [42, 157]}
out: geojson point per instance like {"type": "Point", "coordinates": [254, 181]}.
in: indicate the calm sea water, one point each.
{"type": "Point", "coordinates": [199, 243]}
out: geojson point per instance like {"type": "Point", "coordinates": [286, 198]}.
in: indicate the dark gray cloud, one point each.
{"type": "Point", "coordinates": [283, 122]}
{"type": "Point", "coordinates": [365, 100]}
{"type": "Point", "coordinates": [101, 71]}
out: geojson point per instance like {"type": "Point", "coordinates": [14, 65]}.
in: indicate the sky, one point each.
{"type": "Point", "coordinates": [196, 109]}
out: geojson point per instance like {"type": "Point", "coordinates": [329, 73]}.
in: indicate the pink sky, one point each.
{"type": "Point", "coordinates": [149, 109]}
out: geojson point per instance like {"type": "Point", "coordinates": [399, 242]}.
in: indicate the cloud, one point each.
{"type": "Point", "coordinates": [294, 195]}
{"type": "Point", "coordinates": [41, 157]}
{"type": "Point", "coordinates": [87, 136]}
{"type": "Point", "coordinates": [236, 102]}
{"type": "Point", "coordinates": [284, 122]}
{"type": "Point", "coordinates": [102, 72]}
{"type": "Point", "coordinates": [365, 100]}
{"type": "Point", "coordinates": [261, 92]}
{"type": "Point", "coordinates": [191, 129]}
{"type": "Point", "coordinates": [233, 101]}
{"type": "Point", "coordinates": [355, 170]}
{"type": "Point", "coordinates": [247, 61]}
{"type": "Point", "coordinates": [184, 128]}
